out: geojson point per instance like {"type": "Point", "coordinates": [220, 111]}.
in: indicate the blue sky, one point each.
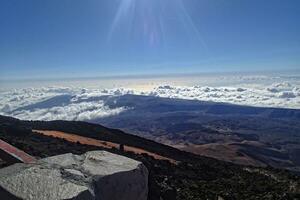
{"type": "Point", "coordinates": [81, 38]}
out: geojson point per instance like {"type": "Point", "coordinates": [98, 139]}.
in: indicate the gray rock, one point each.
{"type": "Point", "coordinates": [93, 175]}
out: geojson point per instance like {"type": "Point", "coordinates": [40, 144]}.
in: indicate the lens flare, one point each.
{"type": "Point", "coordinates": [154, 22]}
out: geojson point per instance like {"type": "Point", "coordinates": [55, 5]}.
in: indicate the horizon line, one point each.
{"type": "Point", "coordinates": [150, 75]}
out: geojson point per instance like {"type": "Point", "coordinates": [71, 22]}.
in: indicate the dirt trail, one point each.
{"type": "Point", "coordinates": [99, 143]}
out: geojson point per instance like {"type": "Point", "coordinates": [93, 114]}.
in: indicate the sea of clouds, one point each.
{"type": "Point", "coordinates": [75, 103]}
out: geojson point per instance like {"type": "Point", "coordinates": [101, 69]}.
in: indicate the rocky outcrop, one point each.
{"type": "Point", "coordinates": [93, 175]}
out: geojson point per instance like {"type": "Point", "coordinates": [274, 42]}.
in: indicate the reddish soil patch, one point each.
{"type": "Point", "coordinates": [99, 143]}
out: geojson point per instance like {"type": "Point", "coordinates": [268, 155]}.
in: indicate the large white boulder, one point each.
{"type": "Point", "coordinates": [94, 175]}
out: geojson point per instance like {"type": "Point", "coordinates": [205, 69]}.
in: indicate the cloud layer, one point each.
{"type": "Point", "coordinates": [55, 103]}
{"type": "Point", "coordinates": [283, 95]}
{"type": "Point", "coordinates": [66, 103]}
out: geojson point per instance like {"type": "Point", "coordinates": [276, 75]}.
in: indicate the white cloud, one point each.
{"type": "Point", "coordinates": [86, 103]}
{"type": "Point", "coordinates": [287, 94]}
{"type": "Point", "coordinates": [76, 109]}
{"type": "Point", "coordinates": [283, 95]}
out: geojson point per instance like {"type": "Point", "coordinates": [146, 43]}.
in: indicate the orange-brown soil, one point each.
{"type": "Point", "coordinates": [99, 143]}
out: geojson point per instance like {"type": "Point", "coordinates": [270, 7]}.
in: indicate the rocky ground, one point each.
{"type": "Point", "coordinates": [2, 163]}
{"type": "Point", "coordinates": [90, 176]}
{"type": "Point", "coordinates": [193, 177]}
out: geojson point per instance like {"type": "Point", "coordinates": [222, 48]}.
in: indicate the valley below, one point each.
{"type": "Point", "coordinates": [240, 134]}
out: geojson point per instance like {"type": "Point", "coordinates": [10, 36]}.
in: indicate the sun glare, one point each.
{"type": "Point", "coordinates": [153, 22]}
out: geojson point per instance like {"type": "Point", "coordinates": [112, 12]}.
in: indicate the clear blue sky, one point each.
{"type": "Point", "coordinates": [69, 38]}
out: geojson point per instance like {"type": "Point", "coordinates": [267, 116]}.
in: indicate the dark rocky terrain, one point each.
{"type": "Point", "coordinates": [244, 134]}
{"type": "Point", "coordinates": [193, 177]}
